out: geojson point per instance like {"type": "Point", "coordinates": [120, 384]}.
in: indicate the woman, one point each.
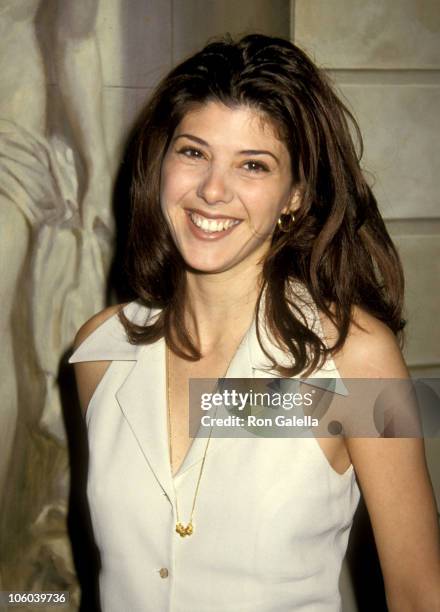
{"type": "Point", "coordinates": [256, 249]}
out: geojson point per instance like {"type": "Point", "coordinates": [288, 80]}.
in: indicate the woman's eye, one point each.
{"type": "Point", "coordinates": [254, 166]}
{"type": "Point", "coordinates": [191, 153]}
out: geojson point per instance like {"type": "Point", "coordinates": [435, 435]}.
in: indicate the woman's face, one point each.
{"type": "Point", "coordinates": [225, 180]}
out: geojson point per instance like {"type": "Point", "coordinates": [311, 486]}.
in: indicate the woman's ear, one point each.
{"type": "Point", "coordinates": [294, 201]}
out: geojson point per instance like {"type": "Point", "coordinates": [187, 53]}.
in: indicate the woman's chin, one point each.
{"type": "Point", "coordinates": [203, 264]}
{"type": "Point", "coordinates": [204, 268]}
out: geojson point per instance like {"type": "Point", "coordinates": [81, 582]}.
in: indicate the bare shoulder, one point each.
{"type": "Point", "coordinates": [371, 349]}
{"type": "Point", "coordinates": [96, 321]}
{"type": "Point", "coordinates": [88, 374]}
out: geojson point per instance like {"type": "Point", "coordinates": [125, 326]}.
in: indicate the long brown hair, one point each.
{"type": "Point", "coordinates": [338, 248]}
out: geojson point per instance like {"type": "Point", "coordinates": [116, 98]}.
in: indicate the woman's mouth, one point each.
{"type": "Point", "coordinates": [210, 229]}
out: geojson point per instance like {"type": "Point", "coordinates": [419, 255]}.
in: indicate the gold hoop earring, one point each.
{"type": "Point", "coordinates": [283, 227]}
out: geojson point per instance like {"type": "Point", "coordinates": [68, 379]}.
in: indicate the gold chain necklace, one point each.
{"type": "Point", "coordinates": [181, 529]}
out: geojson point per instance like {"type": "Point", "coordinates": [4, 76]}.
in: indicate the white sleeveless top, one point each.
{"type": "Point", "coordinates": [272, 517]}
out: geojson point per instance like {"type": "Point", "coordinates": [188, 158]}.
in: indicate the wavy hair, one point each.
{"type": "Point", "coordinates": [339, 247]}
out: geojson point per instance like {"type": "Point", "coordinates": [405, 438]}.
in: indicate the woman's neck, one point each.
{"type": "Point", "coordinates": [220, 307]}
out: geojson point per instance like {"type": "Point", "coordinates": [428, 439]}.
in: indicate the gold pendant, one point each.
{"type": "Point", "coordinates": [184, 531]}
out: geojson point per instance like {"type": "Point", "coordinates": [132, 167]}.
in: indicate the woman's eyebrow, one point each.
{"type": "Point", "coordinates": [191, 137]}
{"type": "Point", "coordinates": [258, 152]}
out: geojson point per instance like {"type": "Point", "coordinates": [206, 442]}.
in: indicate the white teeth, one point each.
{"type": "Point", "coordinates": [212, 225]}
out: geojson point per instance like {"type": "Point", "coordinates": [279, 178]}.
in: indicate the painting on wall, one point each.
{"type": "Point", "coordinates": [57, 230]}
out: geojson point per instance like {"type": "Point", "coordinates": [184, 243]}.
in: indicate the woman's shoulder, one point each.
{"type": "Point", "coordinates": [101, 340]}
{"type": "Point", "coordinates": [96, 321]}
{"type": "Point", "coordinates": [371, 349]}
{"type": "Point", "coordinates": [104, 336]}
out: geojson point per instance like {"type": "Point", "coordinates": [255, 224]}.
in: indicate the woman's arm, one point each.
{"type": "Point", "coordinates": [394, 479]}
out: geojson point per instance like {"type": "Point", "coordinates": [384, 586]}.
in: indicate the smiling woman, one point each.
{"type": "Point", "coordinates": [256, 249]}
{"type": "Point", "coordinates": [222, 202]}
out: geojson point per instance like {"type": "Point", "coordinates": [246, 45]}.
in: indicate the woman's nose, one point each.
{"type": "Point", "coordinates": [215, 186]}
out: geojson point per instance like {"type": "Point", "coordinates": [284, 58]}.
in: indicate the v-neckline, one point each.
{"type": "Point", "coordinates": [198, 440]}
